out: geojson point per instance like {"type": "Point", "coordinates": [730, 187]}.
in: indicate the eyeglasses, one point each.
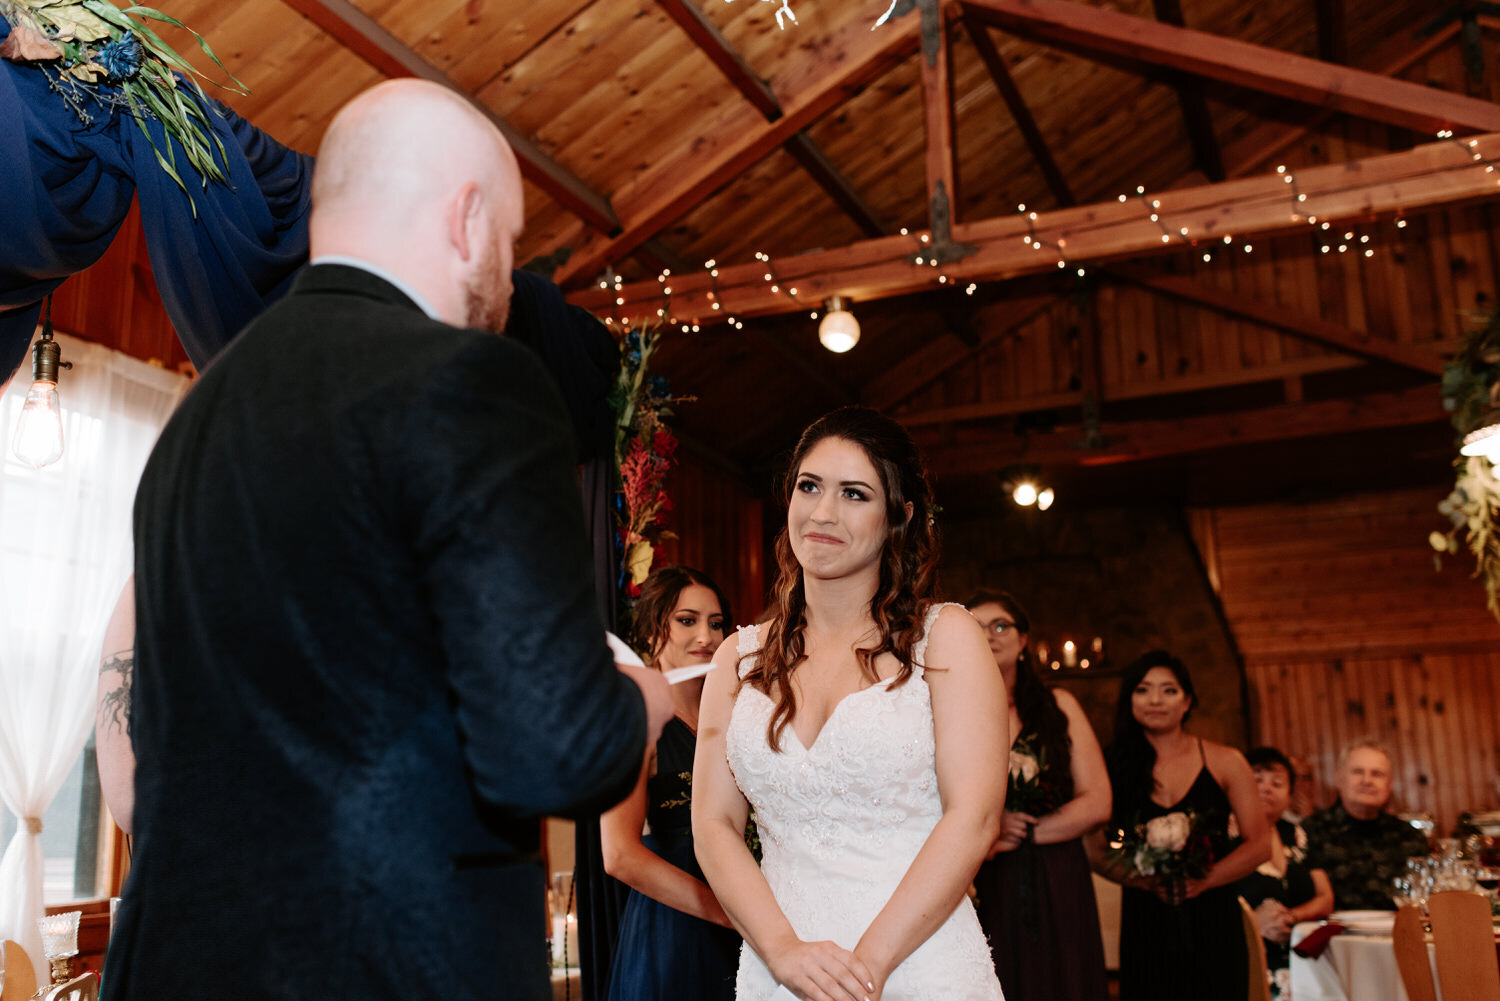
{"type": "Point", "coordinates": [997, 626]}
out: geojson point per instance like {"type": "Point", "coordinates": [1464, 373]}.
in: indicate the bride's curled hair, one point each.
{"type": "Point", "coordinates": [908, 563]}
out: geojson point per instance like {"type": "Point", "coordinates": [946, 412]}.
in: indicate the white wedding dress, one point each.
{"type": "Point", "coordinates": [840, 823]}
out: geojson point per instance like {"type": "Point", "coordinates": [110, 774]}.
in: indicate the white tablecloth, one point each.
{"type": "Point", "coordinates": [1354, 967]}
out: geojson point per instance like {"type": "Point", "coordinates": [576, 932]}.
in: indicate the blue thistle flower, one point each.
{"type": "Point", "coordinates": [122, 58]}
{"type": "Point", "coordinates": [660, 387]}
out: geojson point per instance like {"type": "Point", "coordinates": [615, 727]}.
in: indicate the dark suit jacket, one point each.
{"type": "Point", "coordinates": [368, 657]}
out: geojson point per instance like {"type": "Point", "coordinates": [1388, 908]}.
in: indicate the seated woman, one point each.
{"type": "Point", "coordinates": [675, 940]}
{"type": "Point", "coordinates": [1283, 890]}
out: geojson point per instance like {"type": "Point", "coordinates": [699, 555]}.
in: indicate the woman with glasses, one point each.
{"type": "Point", "coordinates": [1036, 895]}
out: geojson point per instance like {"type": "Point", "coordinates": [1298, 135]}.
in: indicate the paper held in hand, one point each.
{"type": "Point", "coordinates": [676, 676]}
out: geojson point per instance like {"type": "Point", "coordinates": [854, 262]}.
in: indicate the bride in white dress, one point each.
{"type": "Point", "coordinates": [867, 727]}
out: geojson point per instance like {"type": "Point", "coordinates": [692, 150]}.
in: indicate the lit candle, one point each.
{"type": "Point", "coordinates": [1069, 654]}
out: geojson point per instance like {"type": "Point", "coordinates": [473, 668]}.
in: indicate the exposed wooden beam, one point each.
{"type": "Point", "coordinates": [1025, 121]}
{"type": "Point", "coordinates": [1259, 147]}
{"type": "Point", "coordinates": [1332, 37]}
{"type": "Point", "coordinates": [362, 35]}
{"type": "Point", "coordinates": [1290, 321]}
{"type": "Point", "coordinates": [1195, 114]}
{"type": "Point", "coordinates": [832, 70]}
{"type": "Point", "coordinates": [1097, 30]}
{"type": "Point", "coordinates": [937, 119]}
{"type": "Point", "coordinates": [1136, 440]}
{"type": "Point", "coordinates": [1435, 174]}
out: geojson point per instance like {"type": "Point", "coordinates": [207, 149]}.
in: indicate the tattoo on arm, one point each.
{"type": "Point", "coordinates": [114, 706]}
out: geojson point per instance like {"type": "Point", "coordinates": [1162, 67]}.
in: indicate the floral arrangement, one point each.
{"type": "Point", "coordinates": [1471, 384]}
{"type": "Point", "coordinates": [92, 50]}
{"type": "Point", "coordinates": [644, 451]}
{"type": "Point", "coordinates": [1170, 849]}
{"type": "Point", "coordinates": [1027, 790]}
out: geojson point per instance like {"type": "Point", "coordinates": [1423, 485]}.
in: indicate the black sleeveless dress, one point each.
{"type": "Point", "coordinates": [1194, 951]}
{"type": "Point", "coordinates": [663, 953]}
{"type": "Point", "coordinates": [1036, 904]}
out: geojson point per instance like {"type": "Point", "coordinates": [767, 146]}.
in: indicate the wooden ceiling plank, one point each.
{"type": "Point", "coordinates": [1434, 174]}
{"type": "Point", "coordinates": [932, 360]}
{"type": "Point", "coordinates": [831, 180]}
{"type": "Point", "coordinates": [1025, 120]}
{"type": "Point", "coordinates": [1333, 40]}
{"type": "Point", "coordinates": [1256, 148]}
{"type": "Point", "coordinates": [1195, 114]}
{"type": "Point", "coordinates": [712, 43]}
{"type": "Point", "coordinates": [937, 117]}
{"type": "Point", "coordinates": [825, 77]}
{"type": "Point", "coordinates": [363, 35]}
{"type": "Point", "coordinates": [1138, 440]}
{"type": "Point", "coordinates": [1242, 64]}
{"type": "Point", "coordinates": [1291, 321]}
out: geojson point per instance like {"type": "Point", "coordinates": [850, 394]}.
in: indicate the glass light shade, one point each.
{"type": "Point", "coordinates": [1044, 499]}
{"type": "Point", "coordinates": [60, 934]}
{"type": "Point", "coordinates": [1024, 494]}
{"type": "Point", "coordinates": [839, 331]}
{"type": "Point", "coordinates": [39, 433]}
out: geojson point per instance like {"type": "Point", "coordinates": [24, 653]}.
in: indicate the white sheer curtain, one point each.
{"type": "Point", "coordinates": [65, 551]}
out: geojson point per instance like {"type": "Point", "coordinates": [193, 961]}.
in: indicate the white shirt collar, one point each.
{"type": "Point", "coordinates": [379, 272]}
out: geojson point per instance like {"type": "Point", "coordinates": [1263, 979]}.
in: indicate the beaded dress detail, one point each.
{"type": "Point", "coordinates": [841, 821]}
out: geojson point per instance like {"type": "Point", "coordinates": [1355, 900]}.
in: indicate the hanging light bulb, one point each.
{"type": "Point", "coordinates": [38, 439]}
{"type": "Point", "coordinates": [1025, 494]}
{"type": "Point", "coordinates": [839, 330]}
{"type": "Point", "coordinates": [1044, 499]}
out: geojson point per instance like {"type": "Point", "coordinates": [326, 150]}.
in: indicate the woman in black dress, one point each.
{"type": "Point", "coordinates": [675, 940]}
{"type": "Point", "coordinates": [1283, 890]}
{"type": "Point", "coordinates": [1190, 947]}
{"type": "Point", "coordinates": [1035, 895]}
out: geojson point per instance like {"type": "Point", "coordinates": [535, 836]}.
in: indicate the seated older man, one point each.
{"type": "Point", "coordinates": [1359, 844]}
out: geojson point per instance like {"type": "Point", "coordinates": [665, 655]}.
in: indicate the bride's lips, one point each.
{"type": "Point", "coordinates": [819, 537]}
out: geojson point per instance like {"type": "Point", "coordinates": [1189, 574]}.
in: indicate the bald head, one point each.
{"type": "Point", "coordinates": [411, 178]}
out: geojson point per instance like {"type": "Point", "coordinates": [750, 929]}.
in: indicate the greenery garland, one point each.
{"type": "Point", "coordinates": [92, 50]}
{"type": "Point", "coordinates": [1471, 385]}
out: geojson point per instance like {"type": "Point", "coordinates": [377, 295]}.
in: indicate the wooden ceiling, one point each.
{"type": "Point", "coordinates": [661, 134]}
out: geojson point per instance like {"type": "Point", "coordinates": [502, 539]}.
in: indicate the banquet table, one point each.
{"type": "Point", "coordinates": [1354, 967]}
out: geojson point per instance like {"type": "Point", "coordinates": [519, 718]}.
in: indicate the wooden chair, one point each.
{"type": "Point", "coordinates": [20, 975]}
{"type": "Point", "coordinates": [1410, 943]}
{"type": "Point", "coordinates": [1258, 987]}
{"type": "Point", "coordinates": [1463, 937]}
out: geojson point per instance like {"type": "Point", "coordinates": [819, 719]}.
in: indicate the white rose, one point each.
{"type": "Point", "coordinates": [1169, 832]}
{"type": "Point", "coordinates": [1143, 864]}
{"type": "Point", "coordinates": [1023, 766]}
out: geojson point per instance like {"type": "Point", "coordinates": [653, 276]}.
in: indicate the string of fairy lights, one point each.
{"type": "Point", "coordinates": [1328, 238]}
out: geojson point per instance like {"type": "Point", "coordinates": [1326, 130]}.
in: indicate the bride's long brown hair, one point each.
{"type": "Point", "coordinates": [908, 563]}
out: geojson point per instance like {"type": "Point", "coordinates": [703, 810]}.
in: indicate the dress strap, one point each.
{"type": "Point", "coordinates": [919, 651]}
{"type": "Point", "coordinates": [747, 644]}
{"type": "Point", "coordinates": [1202, 755]}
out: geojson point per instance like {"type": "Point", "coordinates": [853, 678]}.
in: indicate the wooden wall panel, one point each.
{"type": "Point", "coordinates": [1347, 629]}
{"type": "Point", "coordinates": [718, 522]}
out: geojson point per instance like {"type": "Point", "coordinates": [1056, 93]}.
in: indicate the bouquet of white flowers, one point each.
{"type": "Point", "coordinates": [1170, 849]}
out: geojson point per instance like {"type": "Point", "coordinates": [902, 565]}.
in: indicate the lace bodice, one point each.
{"type": "Point", "coordinates": [841, 821]}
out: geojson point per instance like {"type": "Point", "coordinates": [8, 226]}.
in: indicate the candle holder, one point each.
{"type": "Point", "coordinates": [60, 943]}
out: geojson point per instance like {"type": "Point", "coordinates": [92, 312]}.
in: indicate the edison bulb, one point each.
{"type": "Point", "coordinates": [39, 433]}
{"type": "Point", "coordinates": [1044, 499]}
{"type": "Point", "coordinates": [1025, 495]}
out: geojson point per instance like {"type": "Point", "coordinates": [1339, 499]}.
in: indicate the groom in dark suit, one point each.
{"type": "Point", "coordinates": [367, 650]}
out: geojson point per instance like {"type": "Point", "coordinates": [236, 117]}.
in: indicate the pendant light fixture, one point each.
{"type": "Point", "coordinates": [38, 439]}
{"type": "Point", "coordinates": [839, 330]}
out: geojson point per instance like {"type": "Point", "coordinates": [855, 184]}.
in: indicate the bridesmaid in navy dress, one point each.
{"type": "Point", "coordinates": [675, 940]}
{"type": "Point", "coordinates": [1193, 949]}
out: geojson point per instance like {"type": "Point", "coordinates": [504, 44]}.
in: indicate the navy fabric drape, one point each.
{"type": "Point", "coordinates": [68, 186]}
